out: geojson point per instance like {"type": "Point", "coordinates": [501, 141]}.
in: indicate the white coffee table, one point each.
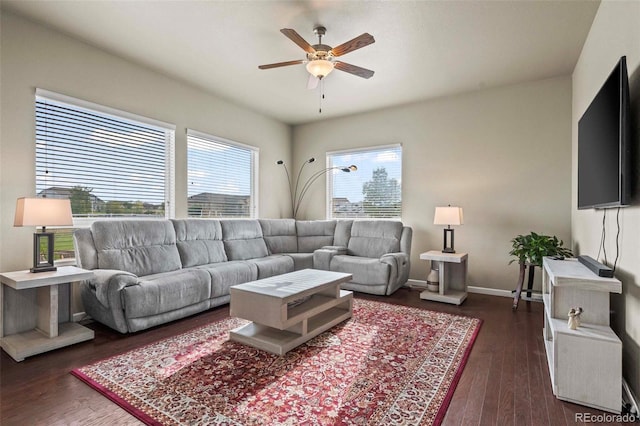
{"type": "Point", "coordinates": [290, 309]}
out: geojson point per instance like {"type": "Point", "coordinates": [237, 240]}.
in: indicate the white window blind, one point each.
{"type": "Point", "coordinates": [222, 177]}
{"type": "Point", "coordinates": [373, 191]}
{"type": "Point", "coordinates": [108, 164]}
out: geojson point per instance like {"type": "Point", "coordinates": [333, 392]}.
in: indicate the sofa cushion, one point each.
{"type": "Point", "coordinates": [227, 274]}
{"type": "Point", "coordinates": [301, 260]}
{"type": "Point", "coordinates": [280, 235]}
{"type": "Point", "coordinates": [273, 265]}
{"type": "Point", "coordinates": [199, 241]}
{"type": "Point", "coordinates": [314, 234]}
{"type": "Point", "coordinates": [166, 292]}
{"type": "Point", "coordinates": [243, 239]}
{"type": "Point", "coordinates": [142, 247]}
{"type": "Point", "coordinates": [365, 270]}
{"type": "Point", "coordinates": [371, 238]}
{"type": "Point", "coordinates": [343, 233]}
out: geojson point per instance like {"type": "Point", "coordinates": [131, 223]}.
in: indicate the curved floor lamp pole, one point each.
{"type": "Point", "coordinates": [280, 162]}
{"type": "Point", "coordinates": [296, 198]}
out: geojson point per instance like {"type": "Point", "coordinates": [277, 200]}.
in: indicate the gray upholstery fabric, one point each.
{"type": "Point", "coordinates": [366, 288]}
{"type": "Point", "coordinates": [314, 234]}
{"type": "Point", "coordinates": [227, 274]}
{"type": "Point", "coordinates": [139, 281]}
{"type": "Point", "coordinates": [374, 238]}
{"type": "Point", "coordinates": [166, 292]}
{"type": "Point", "coordinates": [85, 250]}
{"type": "Point", "coordinates": [199, 241]}
{"type": "Point", "coordinates": [280, 235]}
{"type": "Point", "coordinates": [142, 323]}
{"type": "Point", "coordinates": [142, 247]}
{"type": "Point", "coordinates": [243, 239]}
{"type": "Point", "coordinates": [301, 260]}
{"type": "Point", "coordinates": [342, 233]}
{"type": "Point", "coordinates": [365, 270]}
{"type": "Point", "coordinates": [273, 265]}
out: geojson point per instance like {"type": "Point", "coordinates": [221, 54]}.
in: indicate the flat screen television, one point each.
{"type": "Point", "coordinates": [604, 145]}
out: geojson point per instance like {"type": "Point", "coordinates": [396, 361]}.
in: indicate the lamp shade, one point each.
{"type": "Point", "coordinates": [43, 212]}
{"type": "Point", "coordinates": [448, 216]}
{"type": "Point", "coordinates": [320, 67]}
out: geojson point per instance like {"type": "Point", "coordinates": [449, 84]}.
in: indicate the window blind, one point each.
{"type": "Point", "coordinates": [109, 166]}
{"type": "Point", "coordinates": [222, 177]}
{"type": "Point", "coordinates": [373, 191]}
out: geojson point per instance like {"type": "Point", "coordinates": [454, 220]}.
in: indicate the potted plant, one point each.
{"type": "Point", "coordinates": [529, 250]}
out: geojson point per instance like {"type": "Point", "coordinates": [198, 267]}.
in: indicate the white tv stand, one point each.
{"type": "Point", "coordinates": [585, 364]}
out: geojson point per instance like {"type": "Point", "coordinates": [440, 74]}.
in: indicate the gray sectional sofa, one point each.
{"type": "Point", "coordinates": [148, 272]}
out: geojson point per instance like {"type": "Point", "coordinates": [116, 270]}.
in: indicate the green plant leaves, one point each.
{"type": "Point", "coordinates": [531, 248]}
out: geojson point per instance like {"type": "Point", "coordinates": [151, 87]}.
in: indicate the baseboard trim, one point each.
{"type": "Point", "coordinates": [411, 283]}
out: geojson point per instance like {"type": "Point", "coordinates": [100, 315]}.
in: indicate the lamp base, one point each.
{"type": "Point", "coordinates": [43, 252]}
{"type": "Point", "coordinates": [448, 245]}
{"type": "Point", "coordinates": [43, 269]}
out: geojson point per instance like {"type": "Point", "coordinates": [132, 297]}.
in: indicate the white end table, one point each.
{"type": "Point", "coordinates": [452, 270]}
{"type": "Point", "coordinates": [48, 333]}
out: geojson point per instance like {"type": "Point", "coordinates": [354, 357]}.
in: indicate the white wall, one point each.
{"type": "Point", "coordinates": [615, 32]}
{"type": "Point", "coordinates": [502, 154]}
{"type": "Point", "coordinates": [34, 56]}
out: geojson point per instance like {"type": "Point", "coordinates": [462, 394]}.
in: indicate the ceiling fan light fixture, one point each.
{"type": "Point", "coordinates": [320, 68]}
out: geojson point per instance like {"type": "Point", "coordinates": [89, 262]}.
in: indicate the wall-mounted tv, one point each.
{"type": "Point", "coordinates": [604, 145]}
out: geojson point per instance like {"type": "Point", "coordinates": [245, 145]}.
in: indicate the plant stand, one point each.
{"type": "Point", "coordinates": [518, 290]}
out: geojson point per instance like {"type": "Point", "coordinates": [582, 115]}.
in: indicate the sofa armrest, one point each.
{"type": "Point", "coordinates": [108, 283]}
{"type": "Point", "coordinates": [322, 257]}
{"type": "Point", "coordinates": [338, 249]}
{"type": "Point", "coordinates": [399, 263]}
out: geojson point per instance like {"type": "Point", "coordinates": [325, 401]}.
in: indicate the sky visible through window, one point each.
{"type": "Point", "coordinates": [349, 185]}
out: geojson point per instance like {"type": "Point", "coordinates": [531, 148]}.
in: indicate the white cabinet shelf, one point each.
{"type": "Point", "coordinates": [585, 364]}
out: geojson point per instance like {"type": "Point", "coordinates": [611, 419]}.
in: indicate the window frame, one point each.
{"type": "Point", "coordinates": [329, 187]}
{"type": "Point", "coordinates": [42, 95]}
{"type": "Point", "coordinates": [255, 169]}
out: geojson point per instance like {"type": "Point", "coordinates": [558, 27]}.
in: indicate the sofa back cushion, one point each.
{"type": "Point", "coordinates": [199, 241]}
{"type": "Point", "coordinates": [371, 238]}
{"type": "Point", "coordinates": [142, 247]}
{"type": "Point", "coordinates": [243, 239]}
{"type": "Point", "coordinates": [314, 234]}
{"type": "Point", "coordinates": [280, 235]}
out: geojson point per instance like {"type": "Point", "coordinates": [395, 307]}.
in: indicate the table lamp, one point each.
{"type": "Point", "coordinates": [448, 216]}
{"type": "Point", "coordinates": [43, 212]}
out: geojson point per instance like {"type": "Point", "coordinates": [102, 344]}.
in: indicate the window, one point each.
{"type": "Point", "coordinates": [109, 163]}
{"type": "Point", "coordinates": [373, 191]}
{"type": "Point", "coordinates": [222, 177]}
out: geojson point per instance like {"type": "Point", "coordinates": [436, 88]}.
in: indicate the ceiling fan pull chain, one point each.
{"type": "Point", "coordinates": [321, 97]}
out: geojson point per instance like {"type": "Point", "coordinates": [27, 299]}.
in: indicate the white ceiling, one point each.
{"type": "Point", "coordinates": [423, 49]}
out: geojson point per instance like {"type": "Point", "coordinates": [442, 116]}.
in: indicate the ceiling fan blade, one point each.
{"type": "Point", "coordinates": [361, 41]}
{"type": "Point", "coordinates": [280, 64]}
{"type": "Point", "coordinates": [313, 81]}
{"type": "Point", "coordinates": [297, 39]}
{"type": "Point", "coordinates": [352, 69]}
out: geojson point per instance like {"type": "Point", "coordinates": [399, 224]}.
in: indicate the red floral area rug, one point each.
{"type": "Point", "coordinates": [387, 365]}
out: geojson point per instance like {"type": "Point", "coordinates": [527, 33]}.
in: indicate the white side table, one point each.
{"type": "Point", "coordinates": [452, 269]}
{"type": "Point", "coordinates": [48, 333]}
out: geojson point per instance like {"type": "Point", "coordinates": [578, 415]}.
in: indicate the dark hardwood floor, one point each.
{"type": "Point", "coordinates": [505, 381]}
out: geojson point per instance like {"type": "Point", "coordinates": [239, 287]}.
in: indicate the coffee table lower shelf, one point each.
{"type": "Point", "coordinates": [280, 342]}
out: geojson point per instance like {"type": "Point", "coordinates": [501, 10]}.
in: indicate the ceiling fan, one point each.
{"type": "Point", "coordinates": [321, 59]}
